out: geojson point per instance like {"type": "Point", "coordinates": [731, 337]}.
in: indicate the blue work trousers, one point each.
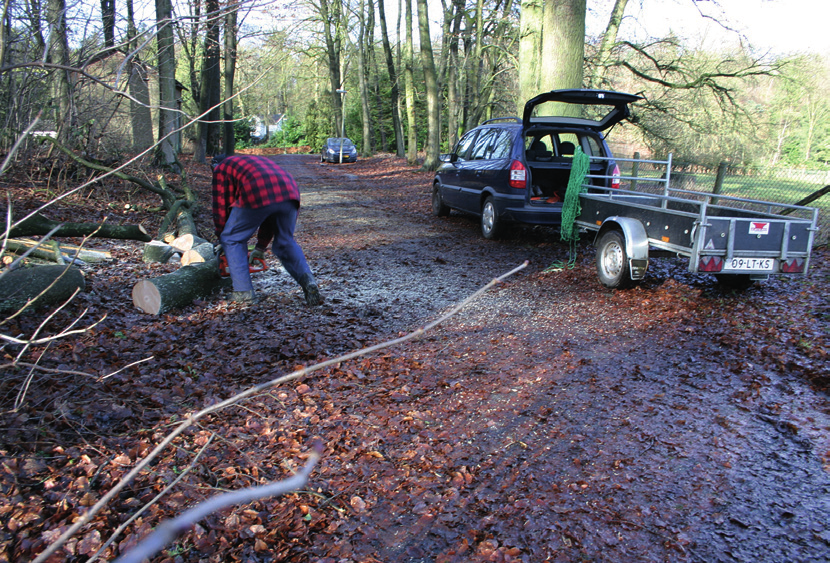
{"type": "Point", "coordinates": [241, 225]}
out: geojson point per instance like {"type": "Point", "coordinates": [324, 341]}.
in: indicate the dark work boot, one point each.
{"type": "Point", "coordinates": [310, 289]}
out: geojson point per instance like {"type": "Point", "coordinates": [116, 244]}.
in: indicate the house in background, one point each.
{"type": "Point", "coordinates": [266, 126]}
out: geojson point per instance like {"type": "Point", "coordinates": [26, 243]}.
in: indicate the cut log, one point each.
{"type": "Point", "coordinates": [38, 225]}
{"type": "Point", "coordinates": [69, 251]}
{"type": "Point", "coordinates": [157, 251]}
{"type": "Point", "coordinates": [198, 254]}
{"type": "Point", "coordinates": [186, 242]}
{"type": "Point", "coordinates": [177, 289]}
{"type": "Point", "coordinates": [55, 283]}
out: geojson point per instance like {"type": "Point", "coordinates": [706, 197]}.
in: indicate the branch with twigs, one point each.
{"type": "Point", "coordinates": [87, 516]}
{"type": "Point", "coordinates": [170, 530]}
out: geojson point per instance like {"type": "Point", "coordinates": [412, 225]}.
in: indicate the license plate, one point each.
{"type": "Point", "coordinates": [749, 264]}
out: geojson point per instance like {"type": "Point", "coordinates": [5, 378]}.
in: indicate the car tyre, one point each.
{"type": "Point", "coordinates": [491, 224]}
{"type": "Point", "coordinates": [439, 208]}
{"type": "Point", "coordinates": [612, 261]}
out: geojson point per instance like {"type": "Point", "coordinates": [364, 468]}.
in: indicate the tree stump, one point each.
{"type": "Point", "coordinates": [177, 289]}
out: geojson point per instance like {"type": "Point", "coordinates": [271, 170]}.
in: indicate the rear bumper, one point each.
{"type": "Point", "coordinates": [520, 211]}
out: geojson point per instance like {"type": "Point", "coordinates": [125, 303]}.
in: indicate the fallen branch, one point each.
{"type": "Point", "coordinates": [170, 530]}
{"type": "Point", "coordinates": [37, 225]}
{"type": "Point", "coordinates": [68, 251]}
{"type": "Point", "coordinates": [85, 518]}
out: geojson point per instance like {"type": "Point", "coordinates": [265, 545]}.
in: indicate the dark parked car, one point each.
{"type": "Point", "coordinates": [332, 150]}
{"type": "Point", "coordinates": [516, 170]}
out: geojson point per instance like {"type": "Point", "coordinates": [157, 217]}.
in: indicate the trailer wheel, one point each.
{"type": "Point", "coordinates": [439, 208]}
{"type": "Point", "coordinates": [612, 261]}
{"type": "Point", "coordinates": [491, 226]}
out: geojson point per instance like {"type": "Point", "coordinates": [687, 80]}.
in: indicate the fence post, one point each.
{"type": "Point", "coordinates": [635, 170]}
{"type": "Point", "coordinates": [719, 178]}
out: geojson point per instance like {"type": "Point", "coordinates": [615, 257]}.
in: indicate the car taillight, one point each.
{"type": "Point", "coordinates": [518, 175]}
{"type": "Point", "coordinates": [615, 177]}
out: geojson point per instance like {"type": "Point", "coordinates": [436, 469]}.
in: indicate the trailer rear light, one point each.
{"type": "Point", "coordinates": [518, 175]}
{"type": "Point", "coordinates": [615, 177]}
{"type": "Point", "coordinates": [710, 264]}
{"type": "Point", "coordinates": [794, 266]}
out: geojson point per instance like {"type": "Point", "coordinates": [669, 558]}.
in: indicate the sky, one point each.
{"type": "Point", "coordinates": [779, 27]}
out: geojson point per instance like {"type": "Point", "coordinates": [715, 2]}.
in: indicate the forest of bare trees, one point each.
{"type": "Point", "coordinates": [406, 77]}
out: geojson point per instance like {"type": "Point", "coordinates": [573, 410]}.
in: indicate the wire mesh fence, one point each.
{"type": "Point", "coordinates": [777, 185]}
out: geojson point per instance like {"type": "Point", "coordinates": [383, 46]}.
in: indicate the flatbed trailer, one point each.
{"type": "Point", "coordinates": [739, 240]}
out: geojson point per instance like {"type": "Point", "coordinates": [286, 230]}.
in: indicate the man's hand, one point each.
{"type": "Point", "coordinates": [218, 250]}
{"type": "Point", "coordinates": [256, 254]}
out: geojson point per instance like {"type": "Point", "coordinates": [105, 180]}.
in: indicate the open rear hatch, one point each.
{"type": "Point", "coordinates": [593, 109]}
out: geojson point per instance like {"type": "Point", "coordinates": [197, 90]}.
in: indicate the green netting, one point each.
{"type": "Point", "coordinates": [571, 207]}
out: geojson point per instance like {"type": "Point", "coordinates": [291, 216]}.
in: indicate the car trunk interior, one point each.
{"type": "Point", "coordinates": [549, 180]}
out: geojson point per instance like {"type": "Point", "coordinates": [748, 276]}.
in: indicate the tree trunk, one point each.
{"type": "Point", "coordinates": [198, 254]}
{"type": "Point", "coordinates": [38, 225]}
{"type": "Point", "coordinates": [393, 78]}
{"type": "Point", "coordinates": [108, 22]}
{"type": "Point", "coordinates": [330, 13]}
{"type": "Point", "coordinates": [46, 252]}
{"type": "Point", "coordinates": [179, 288]}
{"type": "Point", "coordinates": [366, 146]}
{"type": "Point", "coordinates": [158, 252]}
{"type": "Point", "coordinates": [165, 155]}
{"type": "Point", "coordinates": [530, 51]}
{"type": "Point", "coordinates": [433, 147]}
{"type": "Point", "coordinates": [207, 127]}
{"type": "Point", "coordinates": [229, 141]}
{"type": "Point", "coordinates": [186, 242]}
{"type": "Point", "coordinates": [606, 46]}
{"type": "Point", "coordinates": [59, 54]}
{"type": "Point", "coordinates": [563, 47]}
{"type": "Point", "coordinates": [140, 116]}
{"type": "Point", "coordinates": [56, 283]}
{"type": "Point", "coordinates": [409, 89]}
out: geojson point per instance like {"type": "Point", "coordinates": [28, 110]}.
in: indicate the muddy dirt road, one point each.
{"type": "Point", "coordinates": [550, 420]}
{"type": "Point", "coordinates": [645, 425]}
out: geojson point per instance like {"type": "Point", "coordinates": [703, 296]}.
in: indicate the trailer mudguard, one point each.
{"type": "Point", "coordinates": [636, 242]}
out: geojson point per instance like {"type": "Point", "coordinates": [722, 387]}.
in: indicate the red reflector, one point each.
{"type": "Point", "coordinates": [615, 178]}
{"type": "Point", "coordinates": [710, 264]}
{"type": "Point", "coordinates": [794, 266]}
{"type": "Point", "coordinates": [518, 175]}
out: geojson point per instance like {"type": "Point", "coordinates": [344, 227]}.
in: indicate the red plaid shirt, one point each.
{"type": "Point", "coordinates": [249, 181]}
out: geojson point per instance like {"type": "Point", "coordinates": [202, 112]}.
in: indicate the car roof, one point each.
{"type": "Point", "coordinates": [592, 109]}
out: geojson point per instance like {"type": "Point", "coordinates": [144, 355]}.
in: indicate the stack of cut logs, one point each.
{"type": "Point", "coordinates": [197, 278]}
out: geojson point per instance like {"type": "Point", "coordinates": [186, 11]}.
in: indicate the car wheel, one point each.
{"type": "Point", "coordinates": [612, 261]}
{"type": "Point", "coordinates": [439, 208]}
{"type": "Point", "coordinates": [491, 226]}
